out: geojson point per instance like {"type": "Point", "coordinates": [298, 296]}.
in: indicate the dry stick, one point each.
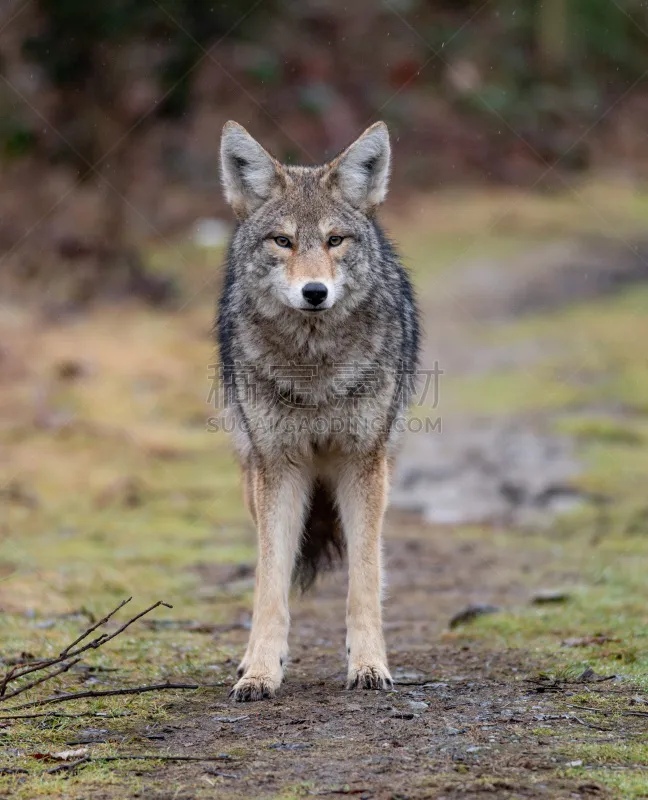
{"type": "Point", "coordinates": [20, 670]}
{"type": "Point", "coordinates": [109, 693]}
{"type": "Point", "coordinates": [101, 640]}
{"type": "Point", "coordinates": [160, 758]}
{"type": "Point", "coordinates": [610, 713]}
{"type": "Point", "coordinates": [26, 668]}
{"type": "Point", "coordinates": [46, 677]}
{"type": "Point", "coordinates": [66, 716]}
{"type": "Point", "coordinates": [415, 683]}
{"type": "Point", "coordinates": [88, 759]}
{"type": "Point", "coordinates": [588, 724]}
{"type": "Point", "coordinates": [218, 774]}
{"type": "Point", "coordinates": [87, 632]}
{"type": "Point", "coordinates": [69, 766]}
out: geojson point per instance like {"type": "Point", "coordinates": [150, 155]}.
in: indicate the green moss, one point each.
{"type": "Point", "coordinates": [626, 784]}
{"type": "Point", "coordinates": [611, 753]}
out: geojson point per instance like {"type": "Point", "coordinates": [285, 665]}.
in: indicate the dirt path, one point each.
{"type": "Point", "coordinates": [462, 721]}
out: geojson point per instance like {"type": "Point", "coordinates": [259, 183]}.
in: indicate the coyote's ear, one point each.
{"type": "Point", "coordinates": [249, 173]}
{"type": "Point", "coordinates": [361, 172]}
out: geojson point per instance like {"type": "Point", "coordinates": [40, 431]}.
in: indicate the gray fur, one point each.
{"type": "Point", "coordinates": [372, 323]}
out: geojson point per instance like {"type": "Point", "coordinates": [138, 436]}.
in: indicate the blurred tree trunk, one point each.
{"type": "Point", "coordinates": [112, 175]}
{"type": "Point", "coordinates": [552, 37]}
{"type": "Point", "coordinates": [120, 265]}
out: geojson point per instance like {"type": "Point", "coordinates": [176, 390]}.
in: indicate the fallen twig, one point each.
{"type": "Point", "coordinates": [25, 668]}
{"type": "Point", "coordinates": [69, 656]}
{"type": "Point", "coordinates": [44, 678]}
{"type": "Point", "coordinates": [542, 686]}
{"type": "Point", "coordinates": [588, 724]}
{"type": "Point", "coordinates": [221, 774]}
{"type": "Point", "coordinates": [71, 765]}
{"type": "Point", "coordinates": [219, 757]}
{"type": "Point", "coordinates": [93, 628]}
{"type": "Point", "coordinates": [107, 693]}
{"type": "Point", "coordinates": [55, 715]}
{"type": "Point", "coordinates": [427, 682]}
{"type": "Point", "coordinates": [610, 713]}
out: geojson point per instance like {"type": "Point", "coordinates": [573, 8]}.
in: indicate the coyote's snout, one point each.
{"type": "Point", "coordinates": [318, 339]}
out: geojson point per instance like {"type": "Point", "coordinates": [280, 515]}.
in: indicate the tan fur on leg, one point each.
{"type": "Point", "coordinates": [362, 498]}
{"type": "Point", "coordinates": [280, 494]}
{"type": "Point", "coordinates": [248, 498]}
{"type": "Point", "coordinates": [248, 490]}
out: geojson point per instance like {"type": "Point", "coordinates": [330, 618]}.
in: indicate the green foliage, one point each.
{"type": "Point", "coordinates": [17, 140]}
{"type": "Point", "coordinates": [607, 33]}
{"type": "Point", "coordinates": [77, 38]}
{"type": "Point", "coordinates": [537, 84]}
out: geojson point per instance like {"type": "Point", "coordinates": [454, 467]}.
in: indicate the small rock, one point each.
{"type": "Point", "coordinates": [546, 596]}
{"type": "Point", "coordinates": [417, 705]}
{"type": "Point", "coordinates": [45, 624]}
{"type": "Point", "coordinates": [290, 746]}
{"type": "Point", "coordinates": [471, 613]}
{"type": "Point", "coordinates": [585, 641]}
{"type": "Point", "coordinates": [408, 675]}
{"type": "Point", "coordinates": [591, 676]}
{"type": "Point", "coordinates": [578, 763]}
{"type": "Point", "coordinates": [396, 714]}
{"type": "Point", "coordinates": [70, 370]}
{"type": "Point", "coordinates": [15, 493]}
{"type": "Point", "coordinates": [638, 701]}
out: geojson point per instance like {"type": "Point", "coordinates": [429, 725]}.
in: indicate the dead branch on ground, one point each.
{"type": "Point", "coordinates": [72, 765]}
{"type": "Point", "coordinates": [63, 698]}
{"type": "Point", "coordinates": [68, 658]}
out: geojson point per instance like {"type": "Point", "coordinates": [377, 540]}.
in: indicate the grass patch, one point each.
{"type": "Point", "coordinates": [626, 784]}
{"type": "Point", "coordinates": [113, 486]}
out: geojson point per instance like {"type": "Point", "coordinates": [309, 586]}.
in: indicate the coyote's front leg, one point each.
{"type": "Point", "coordinates": [362, 498]}
{"type": "Point", "coordinates": [279, 496]}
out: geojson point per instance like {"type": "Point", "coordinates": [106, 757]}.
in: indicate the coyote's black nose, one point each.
{"type": "Point", "coordinates": [315, 293]}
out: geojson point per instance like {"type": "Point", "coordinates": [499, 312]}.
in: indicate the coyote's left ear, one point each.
{"type": "Point", "coordinates": [361, 172]}
{"type": "Point", "coordinates": [249, 173]}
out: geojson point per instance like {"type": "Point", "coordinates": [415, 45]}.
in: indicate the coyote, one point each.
{"type": "Point", "coordinates": [318, 336]}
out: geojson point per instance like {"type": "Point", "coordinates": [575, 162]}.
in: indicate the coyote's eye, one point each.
{"type": "Point", "coordinates": [335, 241]}
{"type": "Point", "coordinates": [282, 241]}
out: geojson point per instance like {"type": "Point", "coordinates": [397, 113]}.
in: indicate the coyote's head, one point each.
{"type": "Point", "coordinates": [306, 241]}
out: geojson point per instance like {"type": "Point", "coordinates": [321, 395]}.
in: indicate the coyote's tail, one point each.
{"type": "Point", "coordinates": [322, 541]}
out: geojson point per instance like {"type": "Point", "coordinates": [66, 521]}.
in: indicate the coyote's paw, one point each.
{"type": "Point", "coordinates": [374, 676]}
{"type": "Point", "coordinates": [254, 687]}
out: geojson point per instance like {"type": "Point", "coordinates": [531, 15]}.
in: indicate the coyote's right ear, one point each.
{"type": "Point", "coordinates": [361, 173]}
{"type": "Point", "coordinates": [249, 173]}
